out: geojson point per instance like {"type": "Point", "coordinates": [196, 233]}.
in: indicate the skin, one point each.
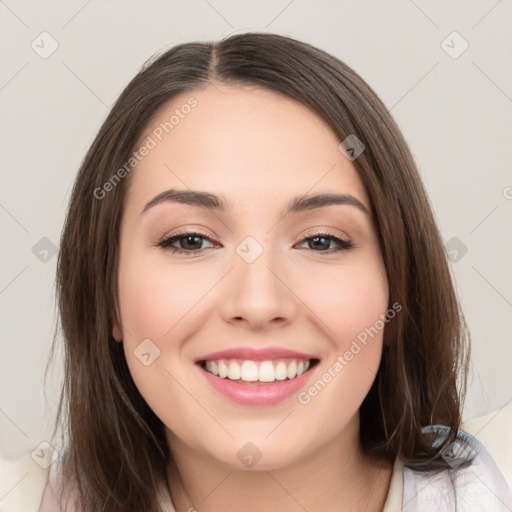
{"type": "Point", "coordinates": [259, 150]}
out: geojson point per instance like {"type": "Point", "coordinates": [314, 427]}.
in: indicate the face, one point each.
{"type": "Point", "coordinates": [283, 287]}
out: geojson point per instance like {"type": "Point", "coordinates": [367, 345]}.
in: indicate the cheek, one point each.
{"type": "Point", "coordinates": [157, 299]}
{"type": "Point", "coordinates": [160, 303]}
{"type": "Point", "coordinates": [347, 300]}
{"type": "Point", "coordinates": [352, 314]}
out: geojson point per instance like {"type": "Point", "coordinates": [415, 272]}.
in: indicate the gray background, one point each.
{"type": "Point", "coordinates": [454, 112]}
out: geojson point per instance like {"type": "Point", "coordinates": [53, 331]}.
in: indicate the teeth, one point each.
{"type": "Point", "coordinates": [233, 371]}
{"type": "Point", "coordinates": [266, 372]}
{"type": "Point", "coordinates": [291, 372]}
{"type": "Point", "coordinates": [280, 371]}
{"type": "Point", "coordinates": [249, 371]}
{"type": "Point", "coordinates": [223, 370]}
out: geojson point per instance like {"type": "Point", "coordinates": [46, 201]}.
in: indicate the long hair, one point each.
{"type": "Point", "coordinates": [115, 451]}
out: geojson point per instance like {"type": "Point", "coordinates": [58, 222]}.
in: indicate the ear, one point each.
{"type": "Point", "coordinates": [117, 331]}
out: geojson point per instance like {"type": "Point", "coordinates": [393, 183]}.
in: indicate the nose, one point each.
{"type": "Point", "coordinates": [260, 294]}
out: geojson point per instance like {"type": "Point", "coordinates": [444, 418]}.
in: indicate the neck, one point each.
{"type": "Point", "coordinates": [336, 477]}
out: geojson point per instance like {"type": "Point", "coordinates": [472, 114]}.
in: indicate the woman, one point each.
{"type": "Point", "coordinates": [255, 300]}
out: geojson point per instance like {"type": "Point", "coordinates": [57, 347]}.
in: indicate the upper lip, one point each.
{"type": "Point", "coordinates": [254, 354]}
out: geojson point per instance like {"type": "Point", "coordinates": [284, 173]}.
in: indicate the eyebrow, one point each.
{"type": "Point", "coordinates": [220, 203]}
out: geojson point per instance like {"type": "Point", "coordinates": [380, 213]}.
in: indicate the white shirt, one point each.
{"type": "Point", "coordinates": [483, 485]}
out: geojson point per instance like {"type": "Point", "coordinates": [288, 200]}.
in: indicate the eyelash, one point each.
{"type": "Point", "coordinates": [165, 243]}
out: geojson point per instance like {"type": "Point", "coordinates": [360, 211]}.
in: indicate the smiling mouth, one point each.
{"type": "Point", "coordinates": [258, 372]}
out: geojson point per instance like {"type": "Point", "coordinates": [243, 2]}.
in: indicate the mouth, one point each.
{"type": "Point", "coordinates": [256, 376]}
{"type": "Point", "coordinates": [254, 372]}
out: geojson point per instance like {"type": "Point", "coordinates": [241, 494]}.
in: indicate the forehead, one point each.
{"type": "Point", "coordinates": [246, 143]}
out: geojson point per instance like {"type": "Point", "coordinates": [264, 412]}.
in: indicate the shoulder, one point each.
{"type": "Point", "coordinates": [475, 479]}
{"type": "Point", "coordinates": [494, 431]}
{"type": "Point", "coordinates": [482, 485]}
{"type": "Point", "coordinates": [28, 483]}
{"type": "Point", "coordinates": [23, 481]}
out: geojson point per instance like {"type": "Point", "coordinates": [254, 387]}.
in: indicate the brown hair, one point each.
{"type": "Point", "coordinates": [115, 451]}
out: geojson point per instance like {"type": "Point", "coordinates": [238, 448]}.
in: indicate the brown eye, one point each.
{"type": "Point", "coordinates": [322, 241]}
{"type": "Point", "coordinates": [187, 242]}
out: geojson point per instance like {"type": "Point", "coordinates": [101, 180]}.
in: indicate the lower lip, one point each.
{"type": "Point", "coordinates": [257, 394]}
